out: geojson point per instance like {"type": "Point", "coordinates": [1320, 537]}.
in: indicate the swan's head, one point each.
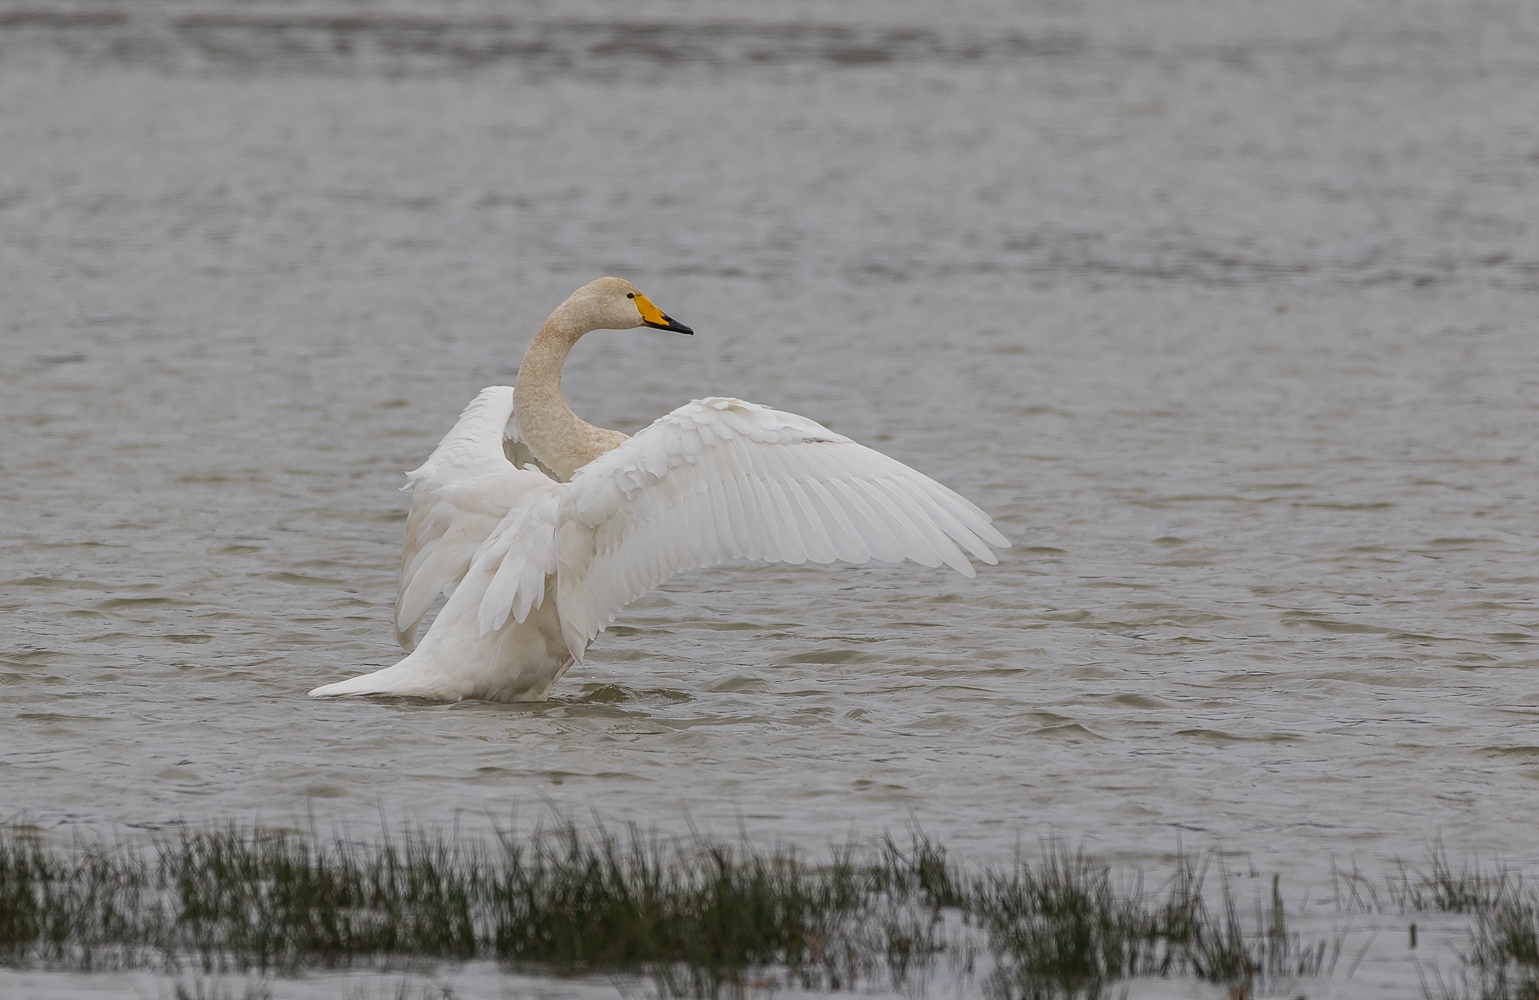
{"type": "Point", "coordinates": [616, 304]}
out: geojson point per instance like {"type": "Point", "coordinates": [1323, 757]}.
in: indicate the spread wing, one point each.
{"type": "Point", "coordinates": [459, 497]}
{"type": "Point", "coordinates": [721, 479]}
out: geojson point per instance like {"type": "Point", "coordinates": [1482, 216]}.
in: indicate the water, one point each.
{"type": "Point", "coordinates": [1225, 312]}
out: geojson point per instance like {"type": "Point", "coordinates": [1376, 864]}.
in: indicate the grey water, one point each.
{"type": "Point", "coordinates": [1227, 312]}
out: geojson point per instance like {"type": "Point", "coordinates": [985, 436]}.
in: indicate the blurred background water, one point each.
{"type": "Point", "coordinates": [1226, 311]}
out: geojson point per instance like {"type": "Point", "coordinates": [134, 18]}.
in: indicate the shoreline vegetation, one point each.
{"type": "Point", "coordinates": [702, 918]}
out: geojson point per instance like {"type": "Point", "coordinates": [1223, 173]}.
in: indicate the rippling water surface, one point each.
{"type": "Point", "coordinates": [1226, 312]}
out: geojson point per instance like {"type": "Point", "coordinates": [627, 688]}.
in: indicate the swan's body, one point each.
{"type": "Point", "coordinates": [537, 561]}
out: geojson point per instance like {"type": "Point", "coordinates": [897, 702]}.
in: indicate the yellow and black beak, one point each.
{"type": "Point", "coordinates": [656, 318]}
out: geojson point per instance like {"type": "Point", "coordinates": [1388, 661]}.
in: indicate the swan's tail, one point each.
{"type": "Point", "coordinates": [405, 679]}
{"type": "Point", "coordinates": [517, 662]}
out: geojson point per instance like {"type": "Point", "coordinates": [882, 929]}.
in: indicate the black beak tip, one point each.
{"type": "Point", "coordinates": [669, 323]}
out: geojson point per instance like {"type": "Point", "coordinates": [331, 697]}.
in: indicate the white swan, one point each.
{"type": "Point", "coordinates": [536, 561]}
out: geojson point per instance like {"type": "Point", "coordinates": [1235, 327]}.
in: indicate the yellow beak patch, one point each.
{"type": "Point", "coordinates": [650, 314]}
{"type": "Point", "coordinates": [655, 317]}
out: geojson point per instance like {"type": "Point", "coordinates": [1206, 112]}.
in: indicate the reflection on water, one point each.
{"type": "Point", "coordinates": [1226, 315]}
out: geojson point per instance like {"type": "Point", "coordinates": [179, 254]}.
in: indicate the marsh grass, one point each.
{"type": "Point", "coordinates": [1065, 928]}
{"type": "Point", "coordinates": [88, 906]}
{"type": "Point", "coordinates": [1431, 887]}
{"type": "Point", "coordinates": [1501, 961]}
{"type": "Point", "coordinates": [694, 917]}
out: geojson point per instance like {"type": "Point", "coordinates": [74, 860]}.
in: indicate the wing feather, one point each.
{"type": "Point", "coordinates": [912, 542]}
{"type": "Point", "coordinates": [762, 518]}
{"type": "Point", "coordinates": [933, 536]}
{"type": "Point", "coordinates": [519, 555]}
{"type": "Point", "coordinates": [795, 550]}
{"type": "Point", "coordinates": [848, 543]}
{"type": "Point", "coordinates": [745, 544]}
{"type": "Point", "coordinates": [954, 527]}
{"type": "Point", "coordinates": [721, 518]}
{"type": "Point", "coordinates": [459, 496]}
{"type": "Point", "coordinates": [721, 479]}
{"type": "Point", "coordinates": [820, 548]}
{"type": "Point", "coordinates": [878, 534]}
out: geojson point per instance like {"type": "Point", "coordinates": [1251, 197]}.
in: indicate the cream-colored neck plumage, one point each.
{"type": "Point", "coordinates": [559, 438]}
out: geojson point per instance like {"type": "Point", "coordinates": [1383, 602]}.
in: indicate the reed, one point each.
{"type": "Point", "coordinates": [1064, 928]}
{"type": "Point", "coordinates": [1430, 887]}
{"type": "Point", "coordinates": [696, 917]}
{"type": "Point", "coordinates": [1501, 961]}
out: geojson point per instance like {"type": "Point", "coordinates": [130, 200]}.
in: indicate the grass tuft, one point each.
{"type": "Point", "coordinates": [695, 917]}
{"type": "Point", "coordinates": [1502, 960]}
{"type": "Point", "coordinates": [1063, 928]}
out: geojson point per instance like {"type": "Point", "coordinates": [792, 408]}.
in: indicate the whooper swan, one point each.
{"type": "Point", "coordinates": [536, 562]}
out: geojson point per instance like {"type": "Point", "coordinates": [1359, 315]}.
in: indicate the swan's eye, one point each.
{"type": "Point", "coordinates": [630, 295]}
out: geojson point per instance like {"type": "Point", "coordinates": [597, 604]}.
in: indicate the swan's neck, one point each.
{"type": "Point", "coordinates": [559, 438]}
